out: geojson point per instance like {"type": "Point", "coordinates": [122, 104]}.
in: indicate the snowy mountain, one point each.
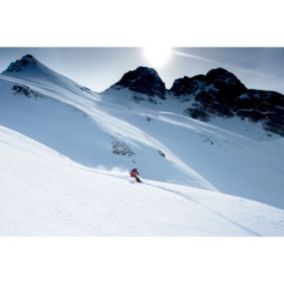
{"type": "Point", "coordinates": [143, 80]}
{"type": "Point", "coordinates": [138, 123]}
{"type": "Point", "coordinates": [220, 93]}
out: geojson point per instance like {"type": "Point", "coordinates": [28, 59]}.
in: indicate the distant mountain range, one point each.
{"type": "Point", "coordinates": [218, 93]}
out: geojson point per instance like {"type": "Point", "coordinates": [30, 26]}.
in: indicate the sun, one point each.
{"type": "Point", "coordinates": [157, 56]}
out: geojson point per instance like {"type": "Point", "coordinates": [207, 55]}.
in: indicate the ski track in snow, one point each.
{"type": "Point", "coordinates": [99, 208]}
{"type": "Point", "coordinates": [213, 211]}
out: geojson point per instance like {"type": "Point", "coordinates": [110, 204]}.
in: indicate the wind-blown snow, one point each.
{"type": "Point", "coordinates": [45, 193]}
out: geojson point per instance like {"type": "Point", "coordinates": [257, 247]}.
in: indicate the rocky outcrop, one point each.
{"type": "Point", "coordinates": [25, 91]}
{"type": "Point", "coordinates": [19, 65]}
{"type": "Point", "coordinates": [188, 86]}
{"type": "Point", "coordinates": [221, 93]}
{"type": "Point", "coordinates": [143, 80]}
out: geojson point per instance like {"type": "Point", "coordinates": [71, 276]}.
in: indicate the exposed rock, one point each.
{"type": "Point", "coordinates": [221, 93]}
{"type": "Point", "coordinates": [227, 83]}
{"type": "Point", "coordinates": [121, 148]}
{"type": "Point", "coordinates": [26, 61]}
{"type": "Point", "coordinates": [197, 113]}
{"type": "Point", "coordinates": [162, 153]}
{"type": "Point", "coordinates": [26, 91]}
{"type": "Point", "coordinates": [274, 127]}
{"type": "Point", "coordinates": [220, 110]}
{"type": "Point", "coordinates": [252, 115]}
{"type": "Point", "coordinates": [143, 80]}
{"type": "Point", "coordinates": [187, 86]}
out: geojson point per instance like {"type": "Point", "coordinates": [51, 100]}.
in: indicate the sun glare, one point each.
{"type": "Point", "coordinates": [157, 56]}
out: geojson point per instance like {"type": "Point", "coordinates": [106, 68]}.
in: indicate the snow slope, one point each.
{"type": "Point", "coordinates": [238, 158]}
{"type": "Point", "coordinates": [231, 156]}
{"type": "Point", "coordinates": [79, 124]}
{"type": "Point", "coordinates": [45, 193]}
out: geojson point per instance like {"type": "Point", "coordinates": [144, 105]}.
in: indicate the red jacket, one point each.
{"type": "Point", "coordinates": [134, 173]}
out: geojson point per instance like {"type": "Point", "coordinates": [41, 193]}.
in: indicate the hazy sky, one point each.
{"type": "Point", "coordinates": [98, 68]}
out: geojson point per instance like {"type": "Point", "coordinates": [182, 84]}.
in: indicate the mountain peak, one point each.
{"type": "Point", "coordinates": [219, 79]}
{"type": "Point", "coordinates": [143, 80]}
{"type": "Point", "coordinates": [223, 79]}
{"type": "Point", "coordinates": [26, 62]}
{"type": "Point", "coordinates": [31, 69]}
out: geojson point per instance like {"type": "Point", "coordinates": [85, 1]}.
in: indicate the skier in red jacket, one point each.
{"type": "Point", "coordinates": [135, 174]}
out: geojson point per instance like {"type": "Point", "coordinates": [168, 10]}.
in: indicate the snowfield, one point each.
{"type": "Point", "coordinates": [66, 152]}
{"type": "Point", "coordinates": [45, 193]}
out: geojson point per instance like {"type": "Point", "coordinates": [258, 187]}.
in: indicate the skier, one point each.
{"type": "Point", "coordinates": [134, 173]}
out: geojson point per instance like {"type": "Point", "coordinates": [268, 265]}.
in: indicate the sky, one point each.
{"type": "Point", "coordinates": [99, 68]}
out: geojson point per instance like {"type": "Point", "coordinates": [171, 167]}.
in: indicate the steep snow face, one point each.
{"type": "Point", "coordinates": [82, 126]}
{"type": "Point", "coordinates": [123, 129]}
{"type": "Point", "coordinates": [45, 193]}
{"type": "Point", "coordinates": [223, 154]}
